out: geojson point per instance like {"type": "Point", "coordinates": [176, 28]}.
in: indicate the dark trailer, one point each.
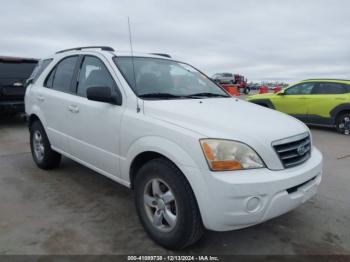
{"type": "Point", "coordinates": [14, 71]}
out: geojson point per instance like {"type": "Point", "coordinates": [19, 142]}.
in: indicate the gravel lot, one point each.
{"type": "Point", "coordinates": [73, 210]}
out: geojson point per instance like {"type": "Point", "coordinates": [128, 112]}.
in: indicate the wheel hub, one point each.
{"type": "Point", "coordinates": [160, 205]}
{"type": "Point", "coordinates": [38, 145]}
{"type": "Point", "coordinates": [345, 125]}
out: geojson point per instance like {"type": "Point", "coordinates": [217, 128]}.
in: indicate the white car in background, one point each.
{"type": "Point", "coordinates": [163, 129]}
{"type": "Point", "coordinates": [224, 78]}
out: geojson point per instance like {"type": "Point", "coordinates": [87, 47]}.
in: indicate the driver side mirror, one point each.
{"type": "Point", "coordinates": [103, 94]}
{"type": "Point", "coordinates": [281, 93]}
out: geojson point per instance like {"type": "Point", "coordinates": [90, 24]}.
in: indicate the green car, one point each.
{"type": "Point", "coordinates": [313, 101]}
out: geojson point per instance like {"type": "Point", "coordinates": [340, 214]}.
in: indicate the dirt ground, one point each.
{"type": "Point", "coordinates": [73, 210]}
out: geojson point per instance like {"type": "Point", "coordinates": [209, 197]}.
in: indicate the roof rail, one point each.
{"type": "Point", "coordinates": [326, 79]}
{"type": "Point", "coordinates": [104, 48]}
{"type": "Point", "coordinates": [161, 54]}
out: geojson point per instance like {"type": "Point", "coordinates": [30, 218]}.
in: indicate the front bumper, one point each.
{"type": "Point", "coordinates": [239, 199]}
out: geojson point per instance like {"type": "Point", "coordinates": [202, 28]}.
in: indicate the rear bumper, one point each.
{"type": "Point", "coordinates": [10, 107]}
{"type": "Point", "coordinates": [241, 199]}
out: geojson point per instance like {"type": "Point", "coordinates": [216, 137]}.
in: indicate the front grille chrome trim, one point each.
{"type": "Point", "coordinates": [291, 139]}
{"type": "Point", "coordinates": [287, 150]}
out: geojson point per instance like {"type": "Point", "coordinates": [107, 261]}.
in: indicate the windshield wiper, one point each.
{"type": "Point", "coordinates": [207, 94]}
{"type": "Point", "coordinates": [160, 95]}
{"type": "Point", "coordinates": [171, 96]}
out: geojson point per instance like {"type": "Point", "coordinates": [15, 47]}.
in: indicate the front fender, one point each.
{"type": "Point", "coordinates": [178, 156]}
{"type": "Point", "coordinates": [159, 145]}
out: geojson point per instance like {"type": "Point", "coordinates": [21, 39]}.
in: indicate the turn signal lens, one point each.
{"type": "Point", "coordinates": [224, 155]}
{"type": "Point", "coordinates": [208, 152]}
{"type": "Point", "coordinates": [226, 165]}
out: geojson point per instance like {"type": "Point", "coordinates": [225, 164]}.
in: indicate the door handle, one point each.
{"type": "Point", "coordinates": [73, 109]}
{"type": "Point", "coordinates": [40, 98]}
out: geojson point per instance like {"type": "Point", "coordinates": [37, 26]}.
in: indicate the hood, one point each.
{"type": "Point", "coordinates": [226, 118]}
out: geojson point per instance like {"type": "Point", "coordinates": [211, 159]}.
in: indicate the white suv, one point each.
{"type": "Point", "coordinates": [165, 130]}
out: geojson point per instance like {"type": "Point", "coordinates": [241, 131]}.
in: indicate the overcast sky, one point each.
{"type": "Point", "coordinates": [261, 39]}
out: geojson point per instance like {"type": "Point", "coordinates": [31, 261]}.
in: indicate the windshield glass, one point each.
{"type": "Point", "coordinates": [162, 78]}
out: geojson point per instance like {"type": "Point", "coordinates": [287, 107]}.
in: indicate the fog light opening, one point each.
{"type": "Point", "coordinates": [253, 204]}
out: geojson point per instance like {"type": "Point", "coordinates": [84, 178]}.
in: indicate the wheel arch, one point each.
{"type": "Point", "coordinates": [150, 147]}
{"type": "Point", "coordinates": [140, 160]}
{"type": "Point", "coordinates": [342, 108]}
{"type": "Point", "coordinates": [36, 114]}
{"type": "Point", "coordinates": [32, 118]}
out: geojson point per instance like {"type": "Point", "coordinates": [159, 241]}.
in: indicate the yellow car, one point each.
{"type": "Point", "coordinates": [323, 102]}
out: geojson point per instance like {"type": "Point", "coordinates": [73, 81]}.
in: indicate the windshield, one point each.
{"type": "Point", "coordinates": [166, 79]}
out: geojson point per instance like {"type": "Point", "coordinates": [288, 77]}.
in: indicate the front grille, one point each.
{"type": "Point", "coordinates": [294, 151]}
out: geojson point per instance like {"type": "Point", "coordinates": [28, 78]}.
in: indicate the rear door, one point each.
{"type": "Point", "coordinates": [54, 99]}
{"type": "Point", "coordinates": [295, 100]}
{"type": "Point", "coordinates": [325, 97]}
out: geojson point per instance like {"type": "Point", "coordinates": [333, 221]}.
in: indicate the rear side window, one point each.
{"type": "Point", "coordinates": [40, 67]}
{"type": "Point", "coordinates": [330, 89]}
{"type": "Point", "coordinates": [93, 73]}
{"type": "Point", "coordinates": [61, 77]}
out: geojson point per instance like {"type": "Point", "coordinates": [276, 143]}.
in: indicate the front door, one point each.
{"type": "Point", "coordinates": [95, 137]}
{"type": "Point", "coordinates": [294, 101]}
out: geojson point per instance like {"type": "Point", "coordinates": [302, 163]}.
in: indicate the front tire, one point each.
{"type": "Point", "coordinates": [166, 205]}
{"type": "Point", "coordinates": [43, 155]}
{"type": "Point", "coordinates": [343, 123]}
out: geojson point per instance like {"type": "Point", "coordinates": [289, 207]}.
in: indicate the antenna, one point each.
{"type": "Point", "coordinates": [132, 52]}
{"type": "Point", "coordinates": [133, 63]}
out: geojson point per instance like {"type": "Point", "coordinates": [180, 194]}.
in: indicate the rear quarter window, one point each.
{"type": "Point", "coordinates": [40, 67]}
{"type": "Point", "coordinates": [61, 76]}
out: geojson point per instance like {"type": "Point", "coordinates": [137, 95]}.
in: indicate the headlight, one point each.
{"type": "Point", "coordinates": [225, 155]}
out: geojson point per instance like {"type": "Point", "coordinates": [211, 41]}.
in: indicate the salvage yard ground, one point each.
{"type": "Point", "coordinates": [73, 210]}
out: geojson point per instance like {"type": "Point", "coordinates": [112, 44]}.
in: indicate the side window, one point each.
{"type": "Point", "coordinates": [93, 73]}
{"type": "Point", "coordinates": [330, 89]}
{"type": "Point", "coordinates": [61, 77]}
{"type": "Point", "coordinates": [300, 89]}
{"type": "Point", "coordinates": [49, 80]}
{"type": "Point", "coordinates": [41, 66]}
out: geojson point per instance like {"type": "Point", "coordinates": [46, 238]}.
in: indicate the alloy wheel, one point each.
{"type": "Point", "coordinates": [160, 205]}
{"type": "Point", "coordinates": [38, 145]}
